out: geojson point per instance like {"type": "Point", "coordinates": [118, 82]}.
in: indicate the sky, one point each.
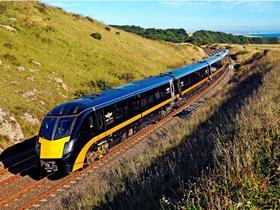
{"type": "Point", "coordinates": [239, 16]}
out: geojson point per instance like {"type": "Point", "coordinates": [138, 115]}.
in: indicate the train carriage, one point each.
{"type": "Point", "coordinates": [78, 132]}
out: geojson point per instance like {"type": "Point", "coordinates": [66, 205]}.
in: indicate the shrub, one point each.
{"type": "Point", "coordinates": [41, 8]}
{"type": "Point", "coordinates": [243, 52]}
{"type": "Point", "coordinates": [49, 28]}
{"type": "Point", "coordinates": [89, 19]}
{"type": "Point", "coordinates": [100, 83]}
{"type": "Point", "coordinates": [96, 35]}
{"type": "Point", "coordinates": [2, 7]}
{"type": "Point", "coordinates": [76, 16]}
{"type": "Point", "coordinates": [8, 45]}
{"type": "Point", "coordinates": [117, 32]}
{"type": "Point", "coordinates": [127, 76]}
{"type": "Point", "coordinates": [108, 28]}
{"type": "Point", "coordinates": [11, 58]}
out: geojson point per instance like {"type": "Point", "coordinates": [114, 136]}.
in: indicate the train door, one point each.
{"type": "Point", "coordinates": [179, 86]}
{"type": "Point", "coordinates": [172, 89]}
{"type": "Point", "coordinates": [100, 120]}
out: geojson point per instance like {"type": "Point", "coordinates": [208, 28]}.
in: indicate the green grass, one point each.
{"type": "Point", "coordinates": [63, 45]}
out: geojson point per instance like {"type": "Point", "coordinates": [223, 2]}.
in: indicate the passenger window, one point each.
{"type": "Point", "coordinates": [125, 109]}
{"type": "Point", "coordinates": [118, 111]}
{"type": "Point", "coordinates": [157, 95]}
{"type": "Point", "coordinates": [151, 99]}
{"type": "Point", "coordinates": [144, 101]}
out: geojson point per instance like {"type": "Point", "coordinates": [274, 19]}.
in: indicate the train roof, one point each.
{"type": "Point", "coordinates": [110, 96]}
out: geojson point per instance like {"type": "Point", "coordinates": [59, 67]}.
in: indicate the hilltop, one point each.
{"type": "Point", "coordinates": [201, 37]}
{"type": "Point", "coordinates": [48, 56]}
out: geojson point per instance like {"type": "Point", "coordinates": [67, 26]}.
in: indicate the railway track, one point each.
{"type": "Point", "coordinates": [23, 192]}
{"type": "Point", "coordinates": [210, 51]}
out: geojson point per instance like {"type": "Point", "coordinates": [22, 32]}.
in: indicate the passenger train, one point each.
{"type": "Point", "coordinates": [76, 133]}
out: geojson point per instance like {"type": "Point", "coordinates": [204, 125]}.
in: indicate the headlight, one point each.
{"type": "Point", "coordinates": [68, 147]}
{"type": "Point", "coordinates": [37, 148]}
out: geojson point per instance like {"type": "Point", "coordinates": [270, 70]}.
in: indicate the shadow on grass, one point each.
{"type": "Point", "coordinates": [20, 158]}
{"type": "Point", "coordinates": [186, 161]}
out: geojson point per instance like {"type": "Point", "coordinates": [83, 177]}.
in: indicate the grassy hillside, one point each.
{"type": "Point", "coordinates": [48, 56]}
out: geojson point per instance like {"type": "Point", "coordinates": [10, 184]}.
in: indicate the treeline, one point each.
{"type": "Point", "coordinates": [170, 35]}
{"type": "Point", "coordinates": [201, 37]}
{"type": "Point", "coordinates": [208, 37]}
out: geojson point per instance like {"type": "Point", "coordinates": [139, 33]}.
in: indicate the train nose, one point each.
{"type": "Point", "coordinates": [52, 148]}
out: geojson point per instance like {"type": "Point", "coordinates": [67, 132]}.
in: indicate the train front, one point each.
{"type": "Point", "coordinates": [55, 140]}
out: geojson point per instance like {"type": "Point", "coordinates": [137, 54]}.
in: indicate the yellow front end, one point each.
{"type": "Point", "coordinates": [52, 149]}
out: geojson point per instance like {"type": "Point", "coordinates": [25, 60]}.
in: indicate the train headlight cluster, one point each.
{"type": "Point", "coordinates": [68, 147]}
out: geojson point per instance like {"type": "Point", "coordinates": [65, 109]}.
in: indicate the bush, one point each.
{"type": "Point", "coordinates": [41, 8]}
{"type": "Point", "coordinates": [76, 16]}
{"type": "Point", "coordinates": [89, 19]}
{"type": "Point", "coordinates": [118, 33]}
{"type": "Point", "coordinates": [100, 84]}
{"type": "Point", "coordinates": [8, 45]}
{"type": "Point", "coordinates": [108, 28]}
{"type": "Point", "coordinates": [243, 52]}
{"type": "Point", "coordinates": [127, 76]}
{"type": "Point", "coordinates": [11, 58]}
{"type": "Point", "coordinates": [96, 35]}
{"type": "Point", "coordinates": [2, 7]}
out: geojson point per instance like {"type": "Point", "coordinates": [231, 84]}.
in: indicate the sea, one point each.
{"type": "Point", "coordinates": [265, 35]}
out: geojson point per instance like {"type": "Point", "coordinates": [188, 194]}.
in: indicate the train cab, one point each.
{"type": "Point", "coordinates": [56, 140]}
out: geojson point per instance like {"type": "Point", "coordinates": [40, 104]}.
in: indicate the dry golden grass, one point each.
{"type": "Point", "coordinates": [62, 44]}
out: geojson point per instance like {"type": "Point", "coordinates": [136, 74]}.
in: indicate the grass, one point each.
{"type": "Point", "coordinates": [245, 52]}
{"type": "Point", "coordinates": [225, 155]}
{"type": "Point", "coordinates": [246, 152]}
{"type": "Point", "coordinates": [62, 44]}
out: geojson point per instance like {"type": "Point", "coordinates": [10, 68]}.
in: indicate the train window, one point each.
{"type": "Point", "coordinates": [144, 101]}
{"type": "Point", "coordinates": [118, 111]}
{"type": "Point", "coordinates": [136, 104]}
{"type": "Point", "coordinates": [157, 95]}
{"type": "Point", "coordinates": [151, 99]}
{"type": "Point", "coordinates": [125, 108]}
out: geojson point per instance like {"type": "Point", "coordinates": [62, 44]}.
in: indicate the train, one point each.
{"type": "Point", "coordinates": [76, 133]}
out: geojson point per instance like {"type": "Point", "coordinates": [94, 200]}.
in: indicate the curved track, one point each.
{"type": "Point", "coordinates": [23, 192]}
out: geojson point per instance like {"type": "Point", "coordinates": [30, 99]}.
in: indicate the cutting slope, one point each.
{"type": "Point", "coordinates": [48, 56]}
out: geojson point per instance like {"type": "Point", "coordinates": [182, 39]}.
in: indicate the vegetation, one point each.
{"type": "Point", "coordinates": [170, 35]}
{"type": "Point", "coordinates": [208, 37]}
{"type": "Point", "coordinates": [96, 35]}
{"type": "Point", "coordinates": [201, 37]}
{"type": "Point", "coordinates": [54, 46]}
{"type": "Point", "coordinates": [224, 155]}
